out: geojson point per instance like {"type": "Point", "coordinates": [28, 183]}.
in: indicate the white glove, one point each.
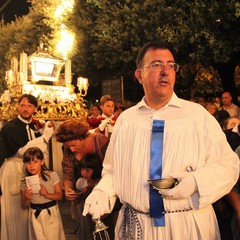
{"type": "Point", "coordinates": [97, 204]}
{"type": "Point", "coordinates": [48, 131]}
{"type": "Point", "coordinates": [103, 124]}
{"type": "Point", "coordinates": [186, 187]}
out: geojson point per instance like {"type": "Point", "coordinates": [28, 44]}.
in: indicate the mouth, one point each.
{"type": "Point", "coordinates": [163, 82]}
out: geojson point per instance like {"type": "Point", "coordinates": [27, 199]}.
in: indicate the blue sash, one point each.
{"type": "Point", "coordinates": [156, 201]}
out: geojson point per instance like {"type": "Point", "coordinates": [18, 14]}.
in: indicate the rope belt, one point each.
{"type": "Point", "coordinates": [177, 211]}
{"type": "Point", "coordinates": [40, 207]}
{"type": "Point", "coordinates": [131, 223]}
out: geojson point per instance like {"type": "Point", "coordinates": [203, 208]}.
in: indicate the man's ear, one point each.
{"type": "Point", "coordinates": [138, 75]}
{"type": "Point", "coordinates": [42, 162]}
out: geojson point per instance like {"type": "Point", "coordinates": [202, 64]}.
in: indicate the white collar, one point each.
{"type": "Point", "coordinates": [174, 101]}
{"type": "Point", "coordinates": [24, 120]}
{"type": "Point", "coordinates": [104, 116]}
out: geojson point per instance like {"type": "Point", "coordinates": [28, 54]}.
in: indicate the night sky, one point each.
{"type": "Point", "coordinates": [13, 8]}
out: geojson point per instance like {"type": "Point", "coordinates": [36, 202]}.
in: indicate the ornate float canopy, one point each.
{"type": "Point", "coordinates": [49, 80]}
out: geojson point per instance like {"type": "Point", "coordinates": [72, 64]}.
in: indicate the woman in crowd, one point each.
{"type": "Point", "coordinates": [94, 116]}
{"type": "Point", "coordinates": [77, 142]}
{"type": "Point", "coordinates": [220, 115]}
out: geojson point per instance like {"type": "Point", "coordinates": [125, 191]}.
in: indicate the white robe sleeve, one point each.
{"type": "Point", "coordinates": [37, 142]}
{"type": "Point", "coordinates": [221, 170]}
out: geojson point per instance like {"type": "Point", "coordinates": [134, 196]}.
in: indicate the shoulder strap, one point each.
{"type": "Point", "coordinates": [97, 146]}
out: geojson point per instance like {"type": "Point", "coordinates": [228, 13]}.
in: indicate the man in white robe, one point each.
{"type": "Point", "coordinates": [192, 140]}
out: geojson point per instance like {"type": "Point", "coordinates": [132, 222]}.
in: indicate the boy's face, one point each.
{"type": "Point", "coordinates": [108, 108]}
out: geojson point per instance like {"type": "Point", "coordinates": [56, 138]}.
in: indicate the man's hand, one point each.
{"type": "Point", "coordinates": [186, 187]}
{"type": "Point", "coordinates": [97, 204]}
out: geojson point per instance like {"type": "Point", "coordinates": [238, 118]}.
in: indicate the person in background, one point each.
{"type": "Point", "coordinates": [119, 111]}
{"type": "Point", "coordinates": [224, 207]}
{"type": "Point", "coordinates": [230, 123]}
{"type": "Point", "coordinates": [119, 108]}
{"type": "Point", "coordinates": [77, 142]}
{"type": "Point", "coordinates": [233, 137]}
{"type": "Point", "coordinates": [17, 136]}
{"type": "Point", "coordinates": [202, 101]}
{"type": "Point", "coordinates": [89, 170]}
{"type": "Point", "coordinates": [95, 111]}
{"type": "Point", "coordinates": [197, 155]}
{"type": "Point", "coordinates": [220, 115]}
{"type": "Point", "coordinates": [107, 120]}
{"type": "Point", "coordinates": [229, 106]}
{"type": "Point", "coordinates": [41, 198]}
{"type": "Point", "coordinates": [234, 199]}
{"type": "Point", "coordinates": [234, 195]}
{"type": "Point", "coordinates": [94, 116]}
{"type": "Point", "coordinates": [211, 107]}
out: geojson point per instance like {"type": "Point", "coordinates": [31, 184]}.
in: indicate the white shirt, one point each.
{"type": "Point", "coordinates": [233, 110]}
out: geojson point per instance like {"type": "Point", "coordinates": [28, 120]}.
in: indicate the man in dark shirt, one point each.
{"type": "Point", "coordinates": [17, 135]}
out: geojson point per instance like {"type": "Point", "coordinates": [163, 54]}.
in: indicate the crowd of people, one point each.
{"type": "Point", "coordinates": [109, 158]}
{"type": "Point", "coordinates": [227, 208]}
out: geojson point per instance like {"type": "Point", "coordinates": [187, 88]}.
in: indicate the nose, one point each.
{"type": "Point", "coordinates": [25, 108]}
{"type": "Point", "coordinates": [83, 173]}
{"type": "Point", "coordinates": [164, 71]}
{"type": "Point", "coordinates": [72, 149]}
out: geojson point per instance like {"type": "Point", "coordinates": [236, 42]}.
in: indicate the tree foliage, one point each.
{"type": "Point", "coordinates": [26, 34]}
{"type": "Point", "coordinates": [202, 32]}
{"type": "Point", "coordinates": [110, 33]}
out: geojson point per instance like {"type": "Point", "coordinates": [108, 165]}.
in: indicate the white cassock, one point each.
{"type": "Point", "coordinates": [192, 137]}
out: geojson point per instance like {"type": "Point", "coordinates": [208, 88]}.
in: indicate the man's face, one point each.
{"type": "Point", "coordinates": [26, 109]}
{"type": "Point", "coordinates": [226, 99]}
{"type": "Point", "coordinates": [108, 108]}
{"type": "Point", "coordinates": [157, 84]}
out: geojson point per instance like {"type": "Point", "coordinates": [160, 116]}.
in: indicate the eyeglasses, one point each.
{"type": "Point", "coordinates": [158, 66]}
